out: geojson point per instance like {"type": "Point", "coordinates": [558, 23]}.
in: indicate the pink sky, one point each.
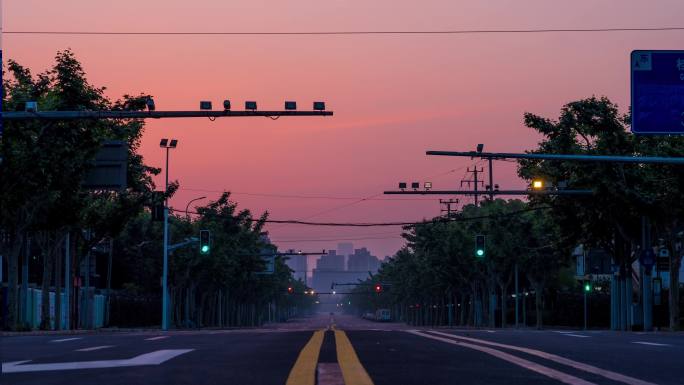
{"type": "Point", "coordinates": [393, 96]}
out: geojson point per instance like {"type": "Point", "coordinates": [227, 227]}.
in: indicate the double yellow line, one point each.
{"type": "Point", "coordinates": [304, 370]}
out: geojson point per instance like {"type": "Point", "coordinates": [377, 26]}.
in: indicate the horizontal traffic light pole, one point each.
{"type": "Point", "coordinates": [71, 115]}
{"type": "Point", "coordinates": [570, 157]}
{"type": "Point", "coordinates": [487, 192]}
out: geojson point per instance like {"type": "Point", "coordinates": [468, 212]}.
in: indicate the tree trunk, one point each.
{"type": "Point", "coordinates": [13, 280]}
{"type": "Point", "coordinates": [537, 304]}
{"type": "Point", "coordinates": [504, 295]}
{"type": "Point", "coordinates": [47, 280]}
{"type": "Point", "coordinates": [58, 287]}
{"type": "Point", "coordinates": [675, 262]}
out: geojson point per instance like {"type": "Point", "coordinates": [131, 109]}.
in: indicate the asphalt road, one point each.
{"type": "Point", "coordinates": [345, 350]}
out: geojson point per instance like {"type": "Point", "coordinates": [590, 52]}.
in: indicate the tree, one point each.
{"type": "Point", "coordinates": [45, 163]}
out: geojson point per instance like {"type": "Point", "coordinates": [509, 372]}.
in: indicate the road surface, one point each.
{"type": "Point", "coordinates": [340, 349]}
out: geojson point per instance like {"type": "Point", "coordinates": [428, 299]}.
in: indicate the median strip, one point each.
{"type": "Point", "coordinates": [304, 370]}
{"type": "Point", "coordinates": [352, 370]}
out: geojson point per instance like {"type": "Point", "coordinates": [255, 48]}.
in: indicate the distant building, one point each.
{"type": "Point", "coordinates": [363, 261]}
{"type": "Point", "coordinates": [331, 261]}
{"type": "Point", "coordinates": [346, 249]}
{"type": "Point", "coordinates": [300, 265]}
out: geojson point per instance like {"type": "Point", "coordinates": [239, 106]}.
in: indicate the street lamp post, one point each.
{"type": "Point", "coordinates": [168, 145]}
{"type": "Point", "coordinates": [187, 216]}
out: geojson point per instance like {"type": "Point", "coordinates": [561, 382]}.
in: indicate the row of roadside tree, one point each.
{"type": "Point", "coordinates": [46, 215]}
{"type": "Point", "coordinates": [438, 267]}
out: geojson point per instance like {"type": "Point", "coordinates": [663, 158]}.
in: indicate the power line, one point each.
{"type": "Point", "coordinates": [387, 224]}
{"type": "Point", "coordinates": [327, 33]}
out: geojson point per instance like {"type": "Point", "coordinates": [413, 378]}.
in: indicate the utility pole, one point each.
{"type": "Point", "coordinates": [67, 280]}
{"type": "Point", "coordinates": [491, 180]}
{"type": "Point", "coordinates": [448, 203]}
{"type": "Point", "coordinates": [475, 171]}
{"type": "Point", "coordinates": [168, 145]}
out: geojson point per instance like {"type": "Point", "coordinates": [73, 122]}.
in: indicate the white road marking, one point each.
{"type": "Point", "coordinates": [156, 338]}
{"type": "Point", "coordinates": [94, 348]}
{"type": "Point", "coordinates": [575, 335]}
{"type": "Point", "coordinates": [533, 366]}
{"type": "Point", "coordinates": [66, 339]}
{"type": "Point", "coordinates": [154, 358]}
{"type": "Point", "coordinates": [650, 343]}
{"type": "Point", "coordinates": [561, 360]}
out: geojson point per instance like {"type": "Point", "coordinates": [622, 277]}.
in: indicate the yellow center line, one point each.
{"type": "Point", "coordinates": [352, 370]}
{"type": "Point", "coordinates": [304, 370]}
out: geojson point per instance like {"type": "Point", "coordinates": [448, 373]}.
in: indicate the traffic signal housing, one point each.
{"type": "Point", "coordinates": [205, 241]}
{"type": "Point", "coordinates": [378, 288]}
{"type": "Point", "coordinates": [480, 246]}
{"type": "Point", "coordinates": [290, 290]}
{"type": "Point", "coordinates": [587, 286]}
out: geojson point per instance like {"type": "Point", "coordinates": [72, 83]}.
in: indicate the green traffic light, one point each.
{"type": "Point", "coordinates": [587, 287]}
{"type": "Point", "coordinates": [480, 252]}
{"type": "Point", "coordinates": [205, 249]}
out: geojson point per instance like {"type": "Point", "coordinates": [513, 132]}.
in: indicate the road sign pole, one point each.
{"type": "Point", "coordinates": [517, 294]}
{"type": "Point", "coordinates": [165, 297]}
{"type": "Point", "coordinates": [585, 309]}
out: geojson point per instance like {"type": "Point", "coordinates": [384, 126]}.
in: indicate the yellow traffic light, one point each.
{"type": "Point", "coordinates": [537, 184]}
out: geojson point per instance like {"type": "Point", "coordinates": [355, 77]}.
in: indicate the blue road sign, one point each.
{"type": "Point", "coordinates": [657, 92]}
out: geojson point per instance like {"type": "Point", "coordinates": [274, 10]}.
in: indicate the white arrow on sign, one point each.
{"type": "Point", "coordinates": [154, 358]}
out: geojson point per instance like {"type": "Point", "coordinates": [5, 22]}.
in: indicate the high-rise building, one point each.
{"type": "Point", "coordinates": [346, 249]}
{"type": "Point", "coordinates": [363, 261]}
{"type": "Point", "coordinates": [300, 265]}
{"type": "Point", "coordinates": [331, 261]}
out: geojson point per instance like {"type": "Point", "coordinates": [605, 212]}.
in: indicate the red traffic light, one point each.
{"type": "Point", "coordinates": [290, 290]}
{"type": "Point", "coordinates": [378, 288]}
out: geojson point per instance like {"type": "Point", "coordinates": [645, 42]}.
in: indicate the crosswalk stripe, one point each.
{"type": "Point", "coordinates": [94, 348]}
{"type": "Point", "coordinates": [575, 335]}
{"type": "Point", "coordinates": [650, 343]}
{"type": "Point", "coordinates": [66, 339]}
{"type": "Point", "coordinates": [156, 338]}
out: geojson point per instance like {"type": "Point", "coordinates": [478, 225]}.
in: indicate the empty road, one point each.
{"type": "Point", "coordinates": [348, 350]}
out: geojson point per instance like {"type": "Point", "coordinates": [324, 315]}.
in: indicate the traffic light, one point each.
{"type": "Point", "coordinates": [290, 290]}
{"type": "Point", "coordinates": [587, 286]}
{"type": "Point", "coordinates": [378, 288]}
{"type": "Point", "coordinates": [480, 246]}
{"type": "Point", "coordinates": [205, 241]}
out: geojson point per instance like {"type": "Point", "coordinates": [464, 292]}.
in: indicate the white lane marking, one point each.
{"type": "Point", "coordinates": [533, 366]}
{"type": "Point", "coordinates": [561, 360]}
{"type": "Point", "coordinates": [94, 348]}
{"type": "Point", "coordinates": [576, 335]}
{"type": "Point", "coordinates": [649, 343]}
{"type": "Point", "coordinates": [153, 358]}
{"type": "Point", "coordinates": [156, 338]}
{"type": "Point", "coordinates": [66, 339]}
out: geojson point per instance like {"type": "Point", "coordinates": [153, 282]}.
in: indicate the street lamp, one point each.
{"type": "Point", "coordinates": [168, 145]}
{"type": "Point", "coordinates": [187, 216]}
